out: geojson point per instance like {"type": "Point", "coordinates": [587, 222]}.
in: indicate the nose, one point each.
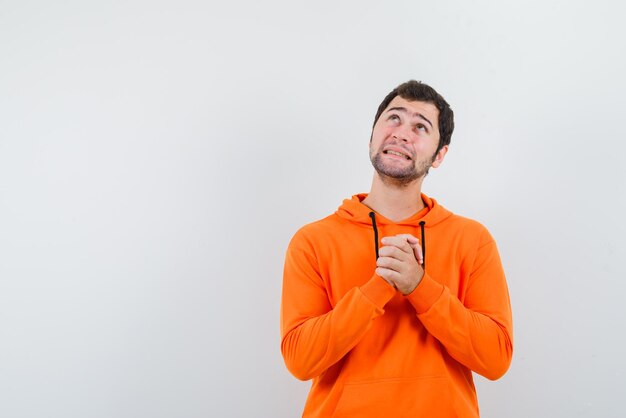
{"type": "Point", "coordinates": [401, 134]}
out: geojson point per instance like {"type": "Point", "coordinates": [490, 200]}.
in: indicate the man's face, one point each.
{"type": "Point", "coordinates": [404, 141]}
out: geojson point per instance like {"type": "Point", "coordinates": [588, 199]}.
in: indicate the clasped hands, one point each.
{"type": "Point", "coordinates": [400, 262]}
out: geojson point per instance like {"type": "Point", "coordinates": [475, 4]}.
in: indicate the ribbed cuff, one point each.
{"type": "Point", "coordinates": [378, 291]}
{"type": "Point", "coordinates": [425, 294]}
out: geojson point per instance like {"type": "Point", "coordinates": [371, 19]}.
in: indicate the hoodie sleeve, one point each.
{"type": "Point", "coordinates": [477, 332]}
{"type": "Point", "coordinates": [316, 335]}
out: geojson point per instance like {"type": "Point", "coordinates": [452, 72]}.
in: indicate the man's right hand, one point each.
{"type": "Point", "coordinates": [399, 262]}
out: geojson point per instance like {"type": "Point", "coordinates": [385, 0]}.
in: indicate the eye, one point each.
{"type": "Point", "coordinates": [420, 127]}
{"type": "Point", "coordinates": [394, 118]}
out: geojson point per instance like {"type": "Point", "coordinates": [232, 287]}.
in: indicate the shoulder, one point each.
{"type": "Point", "coordinates": [469, 228]}
{"type": "Point", "coordinates": [311, 233]}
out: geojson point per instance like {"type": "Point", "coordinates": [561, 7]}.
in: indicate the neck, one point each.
{"type": "Point", "coordinates": [395, 201]}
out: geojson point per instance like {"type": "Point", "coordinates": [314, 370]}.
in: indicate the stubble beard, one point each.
{"type": "Point", "coordinates": [400, 176]}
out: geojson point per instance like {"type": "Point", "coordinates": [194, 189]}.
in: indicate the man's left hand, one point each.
{"type": "Point", "coordinates": [398, 262]}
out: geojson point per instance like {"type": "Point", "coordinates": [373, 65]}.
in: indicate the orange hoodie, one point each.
{"type": "Point", "coordinates": [373, 352]}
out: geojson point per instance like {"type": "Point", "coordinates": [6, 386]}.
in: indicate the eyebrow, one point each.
{"type": "Point", "coordinates": [404, 110]}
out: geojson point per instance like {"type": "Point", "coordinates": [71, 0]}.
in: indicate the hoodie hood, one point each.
{"type": "Point", "coordinates": [353, 210]}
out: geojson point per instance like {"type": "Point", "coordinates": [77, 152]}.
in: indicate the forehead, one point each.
{"type": "Point", "coordinates": [428, 110]}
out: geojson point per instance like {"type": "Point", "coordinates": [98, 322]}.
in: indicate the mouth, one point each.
{"type": "Point", "coordinates": [397, 154]}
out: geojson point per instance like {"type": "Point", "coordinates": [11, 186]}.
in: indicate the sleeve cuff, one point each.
{"type": "Point", "coordinates": [425, 294]}
{"type": "Point", "coordinates": [378, 291]}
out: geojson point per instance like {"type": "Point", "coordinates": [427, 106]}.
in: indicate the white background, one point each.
{"type": "Point", "coordinates": [157, 156]}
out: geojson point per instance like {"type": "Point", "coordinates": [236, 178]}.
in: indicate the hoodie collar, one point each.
{"type": "Point", "coordinates": [353, 210]}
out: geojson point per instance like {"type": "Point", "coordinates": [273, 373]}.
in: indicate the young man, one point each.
{"type": "Point", "coordinates": [394, 327]}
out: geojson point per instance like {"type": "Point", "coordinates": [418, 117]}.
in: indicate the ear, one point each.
{"type": "Point", "coordinates": [439, 156]}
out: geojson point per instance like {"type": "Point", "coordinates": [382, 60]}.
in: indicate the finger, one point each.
{"type": "Point", "coordinates": [411, 239]}
{"type": "Point", "coordinates": [396, 253]}
{"type": "Point", "coordinates": [389, 263]}
{"type": "Point", "coordinates": [417, 249]}
{"type": "Point", "coordinates": [414, 242]}
{"type": "Point", "coordinates": [388, 276]}
{"type": "Point", "coordinates": [411, 247]}
{"type": "Point", "coordinates": [398, 242]}
{"type": "Point", "coordinates": [408, 237]}
{"type": "Point", "coordinates": [391, 251]}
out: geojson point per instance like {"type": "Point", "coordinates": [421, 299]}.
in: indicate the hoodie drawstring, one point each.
{"type": "Point", "coordinates": [373, 216]}
{"type": "Point", "coordinates": [423, 242]}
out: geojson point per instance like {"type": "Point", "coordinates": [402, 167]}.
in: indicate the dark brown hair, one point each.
{"type": "Point", "coordinates": [417, 91]}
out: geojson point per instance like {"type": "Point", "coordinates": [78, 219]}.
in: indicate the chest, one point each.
{"type": "Point", "coordinates": [349, 258]}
